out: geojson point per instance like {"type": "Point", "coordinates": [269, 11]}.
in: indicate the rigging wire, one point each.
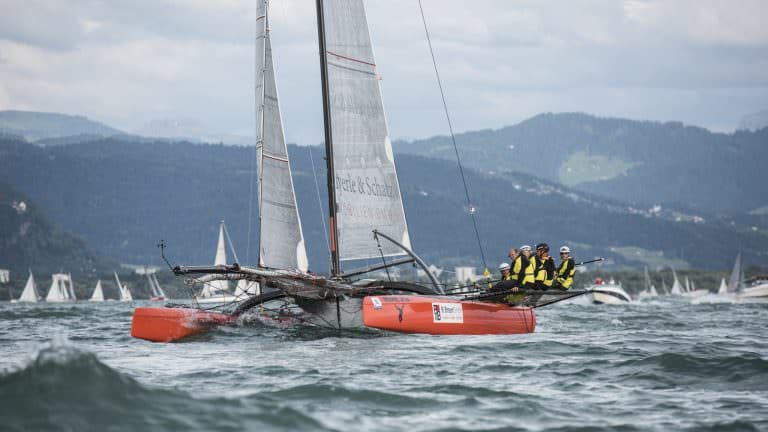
{"type": "Point", "coordinates": [319, 202]}
{"type": "Point", "coordinates": [471, 208]}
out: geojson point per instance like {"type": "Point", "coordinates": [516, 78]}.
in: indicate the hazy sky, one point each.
{"type": "Point", "coordinates": [126, 63]}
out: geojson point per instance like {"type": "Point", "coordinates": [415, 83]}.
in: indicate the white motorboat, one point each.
{"type": "Point", "coordinates": [608, 293]}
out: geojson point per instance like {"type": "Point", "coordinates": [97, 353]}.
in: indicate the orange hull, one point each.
{"type": "Point", "coordinates": [440, 315]}
{"type": "Point", "coordinates": [172, 324]}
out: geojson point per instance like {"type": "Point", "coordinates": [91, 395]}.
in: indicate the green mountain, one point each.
{"type": "Point", "coordinates": [34, 126]}
{"type": "Point", "coordinates": [28, 240]}
{"type": "Point", "coordinates": [124, 196]}
{"type": "Point", "coordinates": [645, 163]}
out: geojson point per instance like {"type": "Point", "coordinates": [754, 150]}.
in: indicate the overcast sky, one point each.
{"type": "Point", "coordinates": [126, 63]}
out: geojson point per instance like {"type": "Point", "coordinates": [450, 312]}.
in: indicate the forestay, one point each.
{"type": "Point", "coordinates": [281, 241]}
{"type": "Point", "coordinates": [367, 189]}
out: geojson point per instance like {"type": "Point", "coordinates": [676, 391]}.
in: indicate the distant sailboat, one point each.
{"type": "Point", "coordinates": [723, 287]}
{"type": "Point", "coordinates": [677, 288]}
{"type": "Point", "coordinates": [125, 293]}
{"type": "Point", "coordinates": [691, 291]}
{"type": "Point", "coordinates": [61, 289]}
{"type": "Point", "coordinates": [217, 291]}
{"type": "Point", "coordinates": [648, 290]}
{"type": "Point", "coordinates": [30, 293]}
{"type": "Point", "coordinates": [98, 293]}
{"type": "Point", "coordinates": [157, 292]}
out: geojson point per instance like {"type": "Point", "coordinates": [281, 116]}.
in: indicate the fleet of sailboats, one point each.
{"type": "Point", "coordinates": [61, 289]}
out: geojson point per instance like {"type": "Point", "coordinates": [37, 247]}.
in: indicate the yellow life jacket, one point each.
{"type": "Point", "coordinates": [529, 277]}
{"type": "Point", "coordinates": [565, 273]}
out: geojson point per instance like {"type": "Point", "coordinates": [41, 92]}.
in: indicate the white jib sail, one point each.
{"type": "Point", "coordinates": [30, 290]}
{"type": "Point", "coordinates": [98, 293]}
{"type": "Point", "coordinates": [367, 189]}
{"type": "Point", "coordinates": [281, 240]}
{"type": "Point", "coordinates": [246, 288]}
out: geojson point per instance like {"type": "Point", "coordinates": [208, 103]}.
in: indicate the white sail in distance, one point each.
{"type": "Point", "coordinates": [59, 291]}
{"type": "Point", "coordinates": [735, 280]}
{"type": "Point", "coordinates": [723, 287]}
{"type": "Point", "coordinates": [281, 240]}
{"type": "Point", "coordinates": [677, 288]}
{"type": "Point", "coordinates": [98, 293]}
{"type": "Point", "coordinates": [366, 185]}
{"type": "Point", "coordinates": [30, 290]}
{"type": "Point", "coordinates": [213, 287]}
{"type": "Point", "coordinates": [125, 293]}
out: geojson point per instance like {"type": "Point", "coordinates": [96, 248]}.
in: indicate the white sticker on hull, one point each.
{"type": "Point", "coordinates": [447, 313]}
{"type": "Point", "coordinates": [376, 303]}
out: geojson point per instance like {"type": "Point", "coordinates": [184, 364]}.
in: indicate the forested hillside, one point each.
{"type": "Point", "coordinates": [644, 162]}
{"type": "Point", "coordinates": [124, 196]}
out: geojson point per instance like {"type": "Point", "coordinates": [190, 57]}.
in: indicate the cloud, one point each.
{"type": "Point", "coordinates": [128, 63]}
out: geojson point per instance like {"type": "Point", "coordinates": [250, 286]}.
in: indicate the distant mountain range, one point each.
{"type": "Point", "coordinates": [123, 196]}
{"type": "Point", "coordinates": [35, 126]}
{"type": "Point", "coordinates": [644, 163]}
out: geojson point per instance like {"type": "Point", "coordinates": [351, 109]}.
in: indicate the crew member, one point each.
{"type": "Point", "coordinates": [505, 270]}
{"type": "Point", "coordinates": [528, 280]}
{"type": "Point", "coordinates": [545, 267]}
{"type": "Point", "coordinates": [566, 270]}
{"type": "Point", "coordinates": [519, 264]}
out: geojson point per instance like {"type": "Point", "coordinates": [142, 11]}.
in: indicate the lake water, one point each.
{"type": "Point", "coordinates": [657, 365]}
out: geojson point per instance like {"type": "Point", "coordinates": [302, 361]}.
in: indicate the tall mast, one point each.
{"type": "Point", "coordinates": [335, 263]}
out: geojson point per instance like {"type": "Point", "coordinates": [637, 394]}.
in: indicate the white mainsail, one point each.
{"type": "Point", "coordinates": [125, 293]}
{"type": "Point", "coordinates": [735, 280]}
{"type": "Point", "coordinates": [98, 293]}
{"type": "Point", "coordinates": [30, 290]}
{"type": "Point", "coordinates": [61, 288]}
{"type": "Point", "coordinates": [366, 184]}
{"type": "Point", "coordinates": [281, 240]}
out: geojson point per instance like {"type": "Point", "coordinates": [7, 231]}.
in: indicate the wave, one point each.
{"type": "Point", "coordinates": [65, 388]}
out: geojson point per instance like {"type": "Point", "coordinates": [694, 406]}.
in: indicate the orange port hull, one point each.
{"type": "Point", "coordinates": [440, 315]}
{"type": "Point", "coordinates": [172, 324]}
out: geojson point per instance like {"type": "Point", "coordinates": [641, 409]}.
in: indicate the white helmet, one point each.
{"type": "Point", "coordinates": [503, 266]}
{"type": "Point", "coordinates": [525, 248]}
{"type": "Point", "coordinates": [565, 249]}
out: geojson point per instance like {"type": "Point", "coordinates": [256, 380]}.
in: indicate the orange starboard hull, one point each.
{"type": "Point", "coordinates": [445, 316]}
{"type": "Point", "coordinates": [172, 324]}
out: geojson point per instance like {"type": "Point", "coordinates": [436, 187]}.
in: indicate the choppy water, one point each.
{"type": "Point", "coordinates": [661, 365]}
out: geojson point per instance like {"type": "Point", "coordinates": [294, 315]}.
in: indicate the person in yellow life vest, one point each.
{"type": "Point", "coordinates": [528, 279]}
{"type": "Point", "coordinates": [505, 270]}
{"type": "Point", "coordinates": [519, 264]}
{"type": "Point", "coordinates": [544, 272]}
{"type": "Point", "coordinates": [566, 270]}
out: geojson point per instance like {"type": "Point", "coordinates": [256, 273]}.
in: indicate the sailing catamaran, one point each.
{"type": "Point", "coordinates": [366, 214]}
{"type": "Point", "coordinates": [30, 293]}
